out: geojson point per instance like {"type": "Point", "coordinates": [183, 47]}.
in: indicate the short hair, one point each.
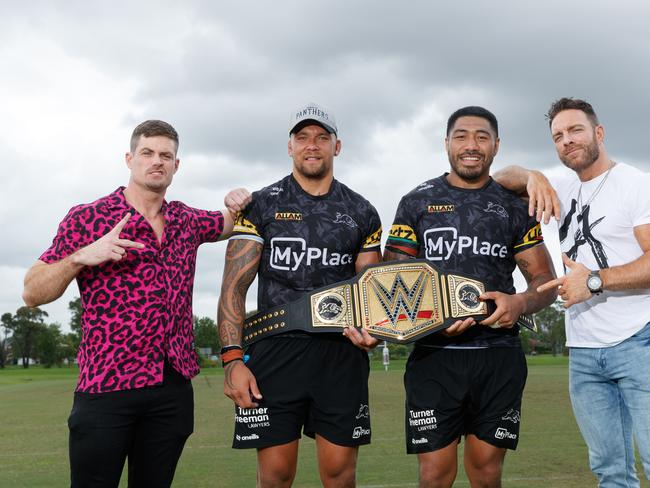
{"type": "Point", "coordinates": [569, 103]}
{"type": "Point", "coordinates": [152, 128]}
{"type": "Point", "coordinates": [473, 111]}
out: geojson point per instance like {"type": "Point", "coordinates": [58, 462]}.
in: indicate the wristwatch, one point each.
{"type": "Point", "coordinates": [595, 282]}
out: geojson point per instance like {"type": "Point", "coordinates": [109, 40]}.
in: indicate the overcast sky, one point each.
{"type": "Point", "coordinates": [76, 77]}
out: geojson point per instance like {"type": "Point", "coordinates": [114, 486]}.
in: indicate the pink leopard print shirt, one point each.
{"type": "Point", "coordinates": [137, 311]}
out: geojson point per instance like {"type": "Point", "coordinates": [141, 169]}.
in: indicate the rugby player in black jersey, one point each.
{"type": "Point", "coordinates": [303, 232]}
{"type": "Point", "coordinates": [468, 379]}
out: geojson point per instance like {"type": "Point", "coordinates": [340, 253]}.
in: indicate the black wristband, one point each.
{"type": "Point", "coordinates": [230, 348]}
{"type": "Point", "coordinates": [226, 363]}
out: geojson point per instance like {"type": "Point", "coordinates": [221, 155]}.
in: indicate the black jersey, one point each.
{"type": "Point", "coordinates": [476, 232]}
{"type": "Point", "coordinates": [309, 241]}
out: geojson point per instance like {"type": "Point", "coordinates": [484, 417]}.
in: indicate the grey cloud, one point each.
{"type": "Point", "coordinates": [229, 72]}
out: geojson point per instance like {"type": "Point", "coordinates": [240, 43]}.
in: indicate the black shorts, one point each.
{"type": "Point", "coordinates": [451, 392]}
{"type": "Point", "coordinates": [148, 425]}
{"type": "Point", "coordinates": [318, 383]}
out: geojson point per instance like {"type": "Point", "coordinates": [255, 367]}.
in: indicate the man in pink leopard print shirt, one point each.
{"type": "Point", "coordinates": [133, 255]}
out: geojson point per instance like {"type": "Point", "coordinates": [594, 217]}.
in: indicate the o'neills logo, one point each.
{"type": "Point", "coordinates": [251, 437]}
{"type": "Point", "coordinates": [440, 208]}
{"type": "Point", "coordinates": [288, 216]}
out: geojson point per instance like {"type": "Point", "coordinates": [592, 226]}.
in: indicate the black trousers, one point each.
{"type": "Point", "coordinates": [149, 426]}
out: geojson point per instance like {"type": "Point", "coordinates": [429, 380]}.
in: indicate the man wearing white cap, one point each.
{"type": "Point", "coordinates": [301, 233]}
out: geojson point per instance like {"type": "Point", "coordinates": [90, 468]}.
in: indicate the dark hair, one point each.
{"type": "Point", "coordinates": [152, 128]}
{"type": "Point", "coordinates": [473, 111]}
{"type": "Point", "coordinates": [567, 103]}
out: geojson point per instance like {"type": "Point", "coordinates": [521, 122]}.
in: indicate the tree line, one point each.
{"type": "Point", "coordinates": [26, 336]}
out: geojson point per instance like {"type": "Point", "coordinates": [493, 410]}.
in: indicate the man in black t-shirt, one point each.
{"type": "Point", "coordinates": [303, 232]}
{"type": "Point", "coordinates": [468, 379]}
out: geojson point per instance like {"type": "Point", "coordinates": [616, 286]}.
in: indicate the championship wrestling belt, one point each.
{"type": "Point", "coordinates": [398, 302]}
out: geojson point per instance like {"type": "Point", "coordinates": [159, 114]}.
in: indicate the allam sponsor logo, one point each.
{"type": "Point", "coordinates": [443, 242]}
{"type": "Point", "coordinates": [288, 253]}
{"type": "Point", "coordinates": [443, 207]}
{"type": "Point", "coordinates": [288, 216]}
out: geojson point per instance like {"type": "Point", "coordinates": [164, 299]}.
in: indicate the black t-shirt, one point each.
{"type": "Point", "coordinates": [476, 232]}
{"type": "Point", "coordinates": [309, 241]}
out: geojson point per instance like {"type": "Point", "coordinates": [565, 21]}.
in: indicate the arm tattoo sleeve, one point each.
{"type": "Point", "coordinates": [535, 276]}
{"type": "Point", "coordinates": [242, 261]}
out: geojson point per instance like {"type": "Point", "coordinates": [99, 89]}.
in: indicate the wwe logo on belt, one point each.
{"type": "Point", "coordinates": [400, 297]}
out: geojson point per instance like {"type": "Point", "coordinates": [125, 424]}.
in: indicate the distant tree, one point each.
{"type": "Point", "coordinates": [5, 323]}
{"type": "Point", "coordinates": [397, 351]}
{"type": "Point", "coordinates": [69, 347]}
{"type": "Point", "coordinates": [206, 333]}
{"type": "Point", "coordinates": [26, 324]}
{"type": "Point", "coordinates": [49, 346]}
{"type": "Point", "coordinates": [550, 320]}
{"type": "Point", "coordinates": [76, 309]}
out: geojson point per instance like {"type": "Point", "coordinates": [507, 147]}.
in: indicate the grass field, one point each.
{"type": "Point", "coordinates": [35, 403]}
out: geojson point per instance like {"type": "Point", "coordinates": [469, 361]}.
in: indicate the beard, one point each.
{"type": "Point", "coordinates": [312, 172]}
{"type": "Point", "coordinates": [591, 154]}
{"type": "Point", "coordinates": [472, 174]}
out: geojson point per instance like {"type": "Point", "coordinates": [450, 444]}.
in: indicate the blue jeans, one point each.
{"type": "Point", "coordinates": [610, 393]}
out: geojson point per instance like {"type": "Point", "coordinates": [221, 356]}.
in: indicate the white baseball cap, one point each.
{"type": "Point", "coordinates": [312, 112]}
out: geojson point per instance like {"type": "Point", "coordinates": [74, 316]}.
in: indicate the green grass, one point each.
{"type": "Point", "coordinates": [35, 403]}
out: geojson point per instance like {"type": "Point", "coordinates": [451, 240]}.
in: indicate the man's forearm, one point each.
{"type": "Point", "coordinates": [630, 276]}
{"type": "Point", "coordinates": [537, 267]}
{"type": "Point", "coordinates": [242, 261]}
{"type": "Point", "coordinates": [45, 283]}
{"type": "Point", "coordinates": [395, 256]}
{"type": "Point", "coordinates": [535, 301]}
{"type": "Point", "coordinates": [228, 224]}
{"type": "Point", "coordinates": [514, 178]}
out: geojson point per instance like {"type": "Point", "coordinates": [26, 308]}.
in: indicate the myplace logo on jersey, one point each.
{"type": "Point", "coordinates": [442, 242]}
{"type": "Point", "coordinates": [359, 432]}
{"type": "Point", "coordinates": [502, 433]}
{"type": "Point", "coordinates": [288, 253]}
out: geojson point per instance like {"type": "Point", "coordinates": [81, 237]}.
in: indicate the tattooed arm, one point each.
{"type": "Point", "coordinates": [242, 261]}
{"type": "Point", "coordinates": [536, 266]}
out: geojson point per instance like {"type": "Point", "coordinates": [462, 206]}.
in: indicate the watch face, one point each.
{"type": "Point", "coordinates": [594, 283]}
